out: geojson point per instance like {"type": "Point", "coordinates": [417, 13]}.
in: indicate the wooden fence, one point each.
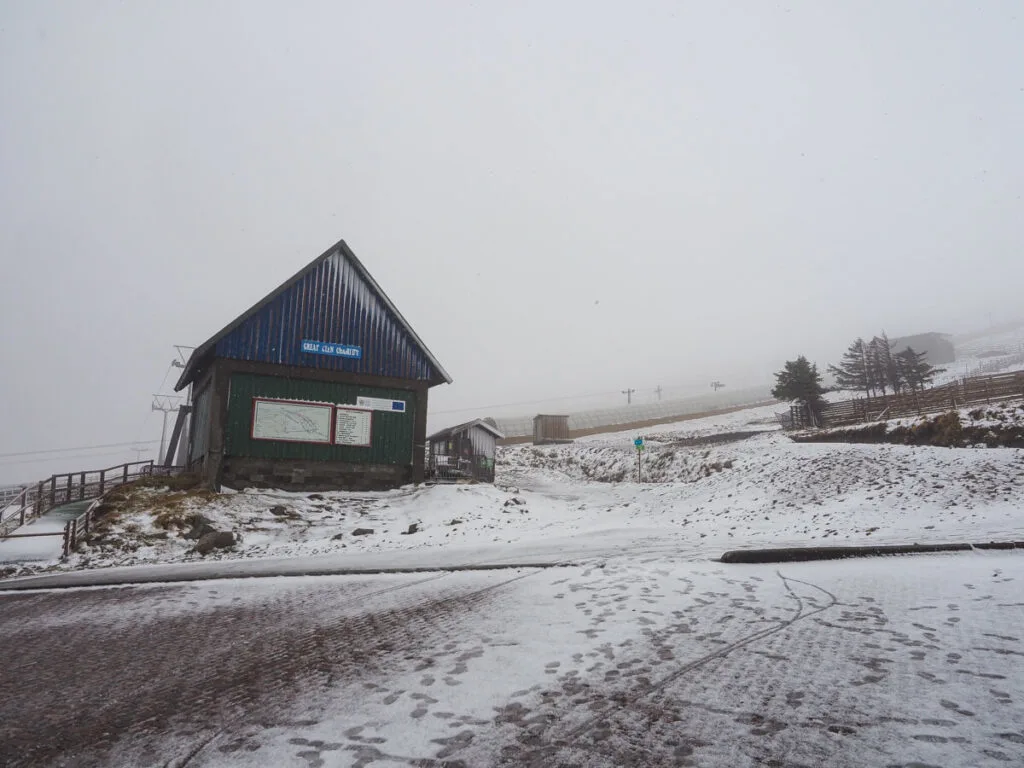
{"type": "Point", "coordinates": [975, 390]}
{"type": "Point", "coordinates": [36, 500]}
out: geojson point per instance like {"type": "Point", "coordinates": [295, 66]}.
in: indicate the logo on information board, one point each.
{"type": "Point", "coordinates": [381, 404]}
{"type": "Point", "coordinates": [334, 350]}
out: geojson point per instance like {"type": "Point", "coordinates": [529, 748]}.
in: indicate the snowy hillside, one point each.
{"type": "Point", "coordinates": [711, 484]}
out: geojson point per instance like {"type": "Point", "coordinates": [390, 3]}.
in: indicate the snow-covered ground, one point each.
{"type": "Point", "coordinates": [725, 482]}
{"type": "Point", "coordinates": [639, 650]}
{"type": "Point", "coordinates": [38, 549]}
{"type": "Point", "coordinates": [633, 661]}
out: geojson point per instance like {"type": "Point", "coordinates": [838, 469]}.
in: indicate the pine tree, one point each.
{"type": "Point", "coordinates": [800, 380]}
{"type": "Point", "coordinates": [886, 370]}
{"type": "Point", "coordinates": [854, 370]}
{"type": "Point", "coordinates": [917, 372]}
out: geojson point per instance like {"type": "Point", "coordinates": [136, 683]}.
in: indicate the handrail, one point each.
{"type": "Point", "coordinates": [21, 502]}
{"type": "Point", "coordinates": [35, 500]}
{"type": "Point", "coordinates": [95, 471]}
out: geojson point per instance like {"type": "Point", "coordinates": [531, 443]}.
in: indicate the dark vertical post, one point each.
{"type": "Point", "coordinates": [103, 479]}
{"type": "Point", "coordinates": [81, 491]}
{"type": "Point", "coordinates": [53, 490]}
{"type": "Point", "coordinates": [125, 477]}
{"type": "Point", "coordinates": [67, 538]}
{"type": "Point", "coordinates": [419, 435]}
{"type": "Point", "coordinates": [215, 448]}
{"type": "Point", "coordinates": [39, 501]}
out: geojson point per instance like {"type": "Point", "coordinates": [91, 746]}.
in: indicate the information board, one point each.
{"type": "Point", "coordinates": [291, 421]}
{"type": "Point", "coordinates": [353, 427]}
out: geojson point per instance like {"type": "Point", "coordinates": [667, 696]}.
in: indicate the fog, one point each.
{"type": "Point", "coordinates": [564, 199]}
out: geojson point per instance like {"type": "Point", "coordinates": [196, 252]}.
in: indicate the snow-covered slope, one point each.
{"type": "Point", "coordinates": [709, 485]}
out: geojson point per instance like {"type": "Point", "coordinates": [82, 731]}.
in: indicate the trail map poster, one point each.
{"type": "Point", "coordinates": [291, 421]}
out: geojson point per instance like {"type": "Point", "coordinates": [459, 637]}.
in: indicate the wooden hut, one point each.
{"type": "Point", "coordinates": [320, 385]}
{"type": "Point", "coordinates": [463, 452]}
{"type": "Point", "coordinates": [550, 428]}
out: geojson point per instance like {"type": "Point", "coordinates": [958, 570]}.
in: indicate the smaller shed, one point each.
{"type": "Point", "coordinates": [550, 428]}
{"type": "Point", "coordinates": [463, 452]}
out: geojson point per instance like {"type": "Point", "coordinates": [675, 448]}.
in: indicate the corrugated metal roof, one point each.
{"type": "Point", "coordinates": [460, 427]}
{"type": "Point", "coordinates": [334, 300]}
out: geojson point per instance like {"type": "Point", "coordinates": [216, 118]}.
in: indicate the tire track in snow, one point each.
{"type": "Point", "coordinates": [539, 755]}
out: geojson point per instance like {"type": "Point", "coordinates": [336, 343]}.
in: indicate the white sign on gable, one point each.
{"type": "Point", "coordinates": [353, 426]}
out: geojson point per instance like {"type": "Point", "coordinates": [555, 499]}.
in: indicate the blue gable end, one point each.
{"type": "Point", "coordinates": [333, 301]}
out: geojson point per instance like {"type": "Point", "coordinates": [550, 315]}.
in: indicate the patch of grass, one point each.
{"type": "Point", "coordinates": [184, 482]}
{"type": "Point", "coordinates": [943, 430]}
{"type": "Point", "coordinates": [168, 500]}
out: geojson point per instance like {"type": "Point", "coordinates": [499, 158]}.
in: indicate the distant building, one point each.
{"type": "Point", "coordinates": [938, 346]}
{"type": "Point", "coordinates": [464, 452]}
{"type": "Point", "coordinates": [320, 385]}
{"type": "Point", "coordinates": [550, 428]}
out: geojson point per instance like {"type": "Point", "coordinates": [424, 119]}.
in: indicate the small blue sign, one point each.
{"type": "Point", "coordinates": [639, 442]}
{"type": "Point", "coordinates": [334, 350]}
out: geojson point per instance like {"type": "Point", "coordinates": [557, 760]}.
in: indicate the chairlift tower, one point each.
{"type": "Point", "coordinates": [167, 404]}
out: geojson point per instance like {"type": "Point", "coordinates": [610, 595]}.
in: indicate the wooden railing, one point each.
{"type": "Point", "coordinates": [35, 500]}
{"type": "Point", "coordinates": [970, 391]}
{"type": "Point", "coordinates": [15, 512]}
{"type": "Point", "coordinates": [78, 527]}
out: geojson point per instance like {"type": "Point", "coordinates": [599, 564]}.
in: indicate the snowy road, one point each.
{"type": "Point", "coordinates": [640, 660]}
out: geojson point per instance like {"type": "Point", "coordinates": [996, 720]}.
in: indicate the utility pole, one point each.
{"type": "Point", "coordinates": [717, 385]}
{"type": "Point", "coordinates": [629, 395]}
{"type": "Point", "coordinates": [658, 392]}
{"type": "Point", "coordinates": [185, 437]}
{"type": "Point", "coordinates": [167, 404]}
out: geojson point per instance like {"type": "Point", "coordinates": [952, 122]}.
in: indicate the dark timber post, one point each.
{"type": "Point", "coordinates": [81, 491]}
{"type": "Point", "coordinates": [103, 479]}
{"type": "Point", "coordinates": [419, 435]}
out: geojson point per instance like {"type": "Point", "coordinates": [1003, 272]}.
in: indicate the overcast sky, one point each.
{"type": "Point", "coordinates": [562, 197]}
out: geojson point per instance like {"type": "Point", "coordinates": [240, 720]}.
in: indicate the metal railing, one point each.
{"type": "Point", "coordinates": [453, 469]}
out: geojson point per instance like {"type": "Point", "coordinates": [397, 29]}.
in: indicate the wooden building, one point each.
{"type": "Point", "coordinates": [464, 452]}
{"type": "Point", "coordinates": [320, 385]}
{"type": "Point", "coordinates": [939, 348]}
{"type": "Point", "coordinates": [550, 428]}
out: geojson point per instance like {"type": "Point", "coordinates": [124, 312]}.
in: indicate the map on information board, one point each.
{"type": "Point", "coordinates": [291, 421]}
{"type": "Point", "coordinates": [353, 427]}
